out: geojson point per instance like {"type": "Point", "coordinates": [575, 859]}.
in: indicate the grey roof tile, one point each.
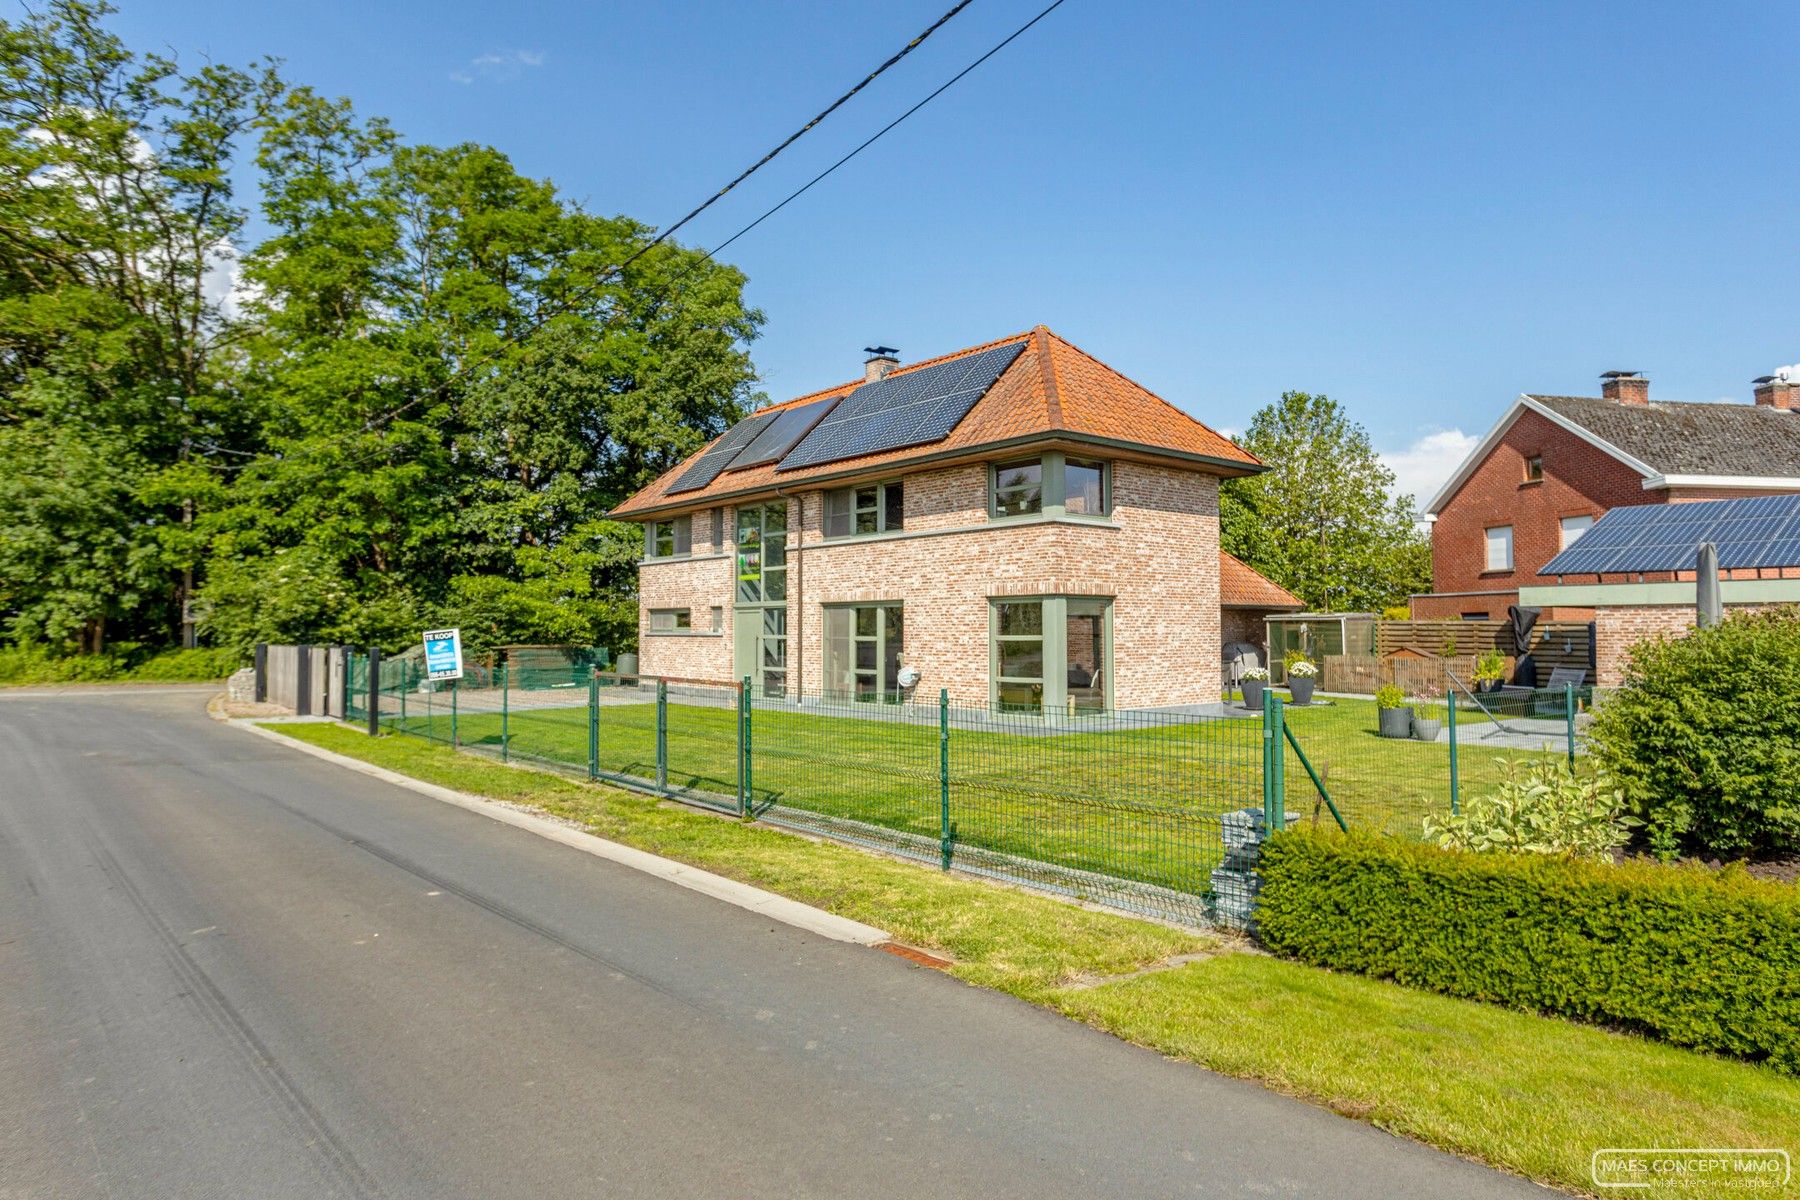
{"type": "Point", "coordinates": [1691, 439]}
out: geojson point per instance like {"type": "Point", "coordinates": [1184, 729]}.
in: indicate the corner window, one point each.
{"type": "Point", "coordinates": [1052, 655]}
{"type": "Point", "coordinates": [1019, 488]}
{"type": "Point", "coordinates": [1500, 548]}
{"type": "Point", "coordinates": [671, 620]}
{"type": "Point", "coordinates": [863, 647]}
{"type": "Point", "coordinates": [1574, 527]}
{"type": "Point", "coordinates": [1534, 468]}
{"type": "Point", "coordinates": [669, 539]}
{"type": "Point", "coordinates": [1052, 484]}
{"type": "Point", "coordinates": [860, 511]}
{"type": "Point", "coordinates": [762, 553]}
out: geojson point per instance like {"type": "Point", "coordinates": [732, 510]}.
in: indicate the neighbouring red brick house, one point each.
{"type": "Point", "coordinates": [1051, 543]}
{"type": "Point", "coordinates": [1553, 465]}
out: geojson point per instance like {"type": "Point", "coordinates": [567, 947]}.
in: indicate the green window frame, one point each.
{"type": "Point", "coordinates": [1052, 484]}
{"type": "Point", "coordinates": [864, 645]}
{"type": "Point", "coordinates": [1051, 655]}
{"type": "Point", "coordinates": [671, 620]}
{"type": "Point", "coordinates": [671, 538]}
{"type": "Point", "coordinates": [762, 553]}
{"type": "Point", "coordinates": [866, 509]}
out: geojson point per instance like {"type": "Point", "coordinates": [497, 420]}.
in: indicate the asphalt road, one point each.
{"type": "Point", "coordinates": [231, 970]}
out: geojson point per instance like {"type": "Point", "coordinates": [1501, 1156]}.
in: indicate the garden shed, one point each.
{"type": "Point", "coordinates": [1316, 636]}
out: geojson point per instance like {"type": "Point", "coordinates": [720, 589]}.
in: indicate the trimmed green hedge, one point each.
{"type": "Point", "coordinates": [1697, 959]}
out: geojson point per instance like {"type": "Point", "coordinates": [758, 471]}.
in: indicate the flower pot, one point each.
{"type": "Point", "coordinates": [1302, 687]}
{"type": "Point", "coordinates": [1253, 692]}
{"type": "Point", "coordinates": [1487, 685]}
{"type": "Point", "coordinates": [1396, 722]}
{"type": "Point", "coordinates": [1424, 730]}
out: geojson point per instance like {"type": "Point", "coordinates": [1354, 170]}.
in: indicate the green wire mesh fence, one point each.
{"type": "Point", "coordinates": [1126, 809]}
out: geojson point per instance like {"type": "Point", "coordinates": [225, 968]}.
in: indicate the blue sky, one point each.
{"type": "Point", "coordinates": [1420, 209]}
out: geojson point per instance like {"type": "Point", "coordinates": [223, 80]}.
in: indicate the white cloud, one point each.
{"type": "Point", "coordinates": [498, 66]}
{"type": "Point", "coordinates": [1421, 468]}
{"type": "Point", "coordinates": [1790, 373]}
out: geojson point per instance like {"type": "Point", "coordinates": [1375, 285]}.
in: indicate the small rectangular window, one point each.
{"type": "Point", "coordinates": [717, 520]}
{"type": "Point", "coordinates": [1534, 468]}
{"type": "Point", "coordinates": [860, 511]}
{"type": "Point", "coordinates": [1019, 488]}
{"type": "Point", "coordinates": [669, 539]}
{"type": "Point", "coordinates": [1574, 527]}
{"type": "Point", "coordinates": [1475, 616]}
{"type": "Point", "coordinates": [718, 619]}
{"type": "Point", "coordinates": [1500, 548]}
{"type": "Point", "coordinates": [671, 620]}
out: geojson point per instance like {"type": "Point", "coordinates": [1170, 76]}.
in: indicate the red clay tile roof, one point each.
{"type": "Point", "coordinates": [1242, 587]}
{"type": "Point", "coordinates": [1052, 391]}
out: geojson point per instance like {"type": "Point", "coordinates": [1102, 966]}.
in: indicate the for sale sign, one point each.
{"type": "Point", "coordinates": [443, 654]}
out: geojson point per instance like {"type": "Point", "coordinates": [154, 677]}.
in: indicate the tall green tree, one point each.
{"type": "Point", "coordinates": [1323, 520]}
{"type": "Point", "coordinates": [117, 220]}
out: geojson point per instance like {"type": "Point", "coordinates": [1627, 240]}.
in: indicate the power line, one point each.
{"type": "Point", "coordinates": [799, 133]}
{"type": "Point", "coordinates": [705, 256]}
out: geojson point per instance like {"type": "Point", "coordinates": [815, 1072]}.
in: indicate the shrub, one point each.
{"type": "Point", "coordinates": [1704, 737]}
{"type": "Point", "coordinates": [31, 664]}
{"type": "Point", "coordinates": [1389, 696]}
{"type": "Point", "coordinates": [1542, 807]}
{"type": "Point", "coordinates": [1697, 958]}
{"type": "Point", "coordinates": [1396, 612]}
{"type": "Point", "coordinates": [1490, 667]}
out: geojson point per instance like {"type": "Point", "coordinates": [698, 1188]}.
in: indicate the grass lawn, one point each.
{"type": "Point", "coordinates": [1140, 802]}
{"type": "Point", "coordinates": [1535, 1095]}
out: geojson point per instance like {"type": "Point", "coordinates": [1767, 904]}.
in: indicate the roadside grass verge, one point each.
{"type": "Point", "coordinates": [1533, 1095]}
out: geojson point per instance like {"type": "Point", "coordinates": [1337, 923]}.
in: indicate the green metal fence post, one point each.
{"type": "Point", "coordinates": [1569, 709]}
{"type": "Point", "coordinates": [1455, 798]}
{"type": "Point", "coordinates": [430, 717]}
{"type": "Point", "coordinates": [748, 741]}
{"type": "Point", "coordinates": [374, 664]}
{"type": "Point", "coordinates": [946, 835]}
{"type": "Point", "coordinates": [1268, 757]}
{"type": "Point", "coordinates": [593, 725]}
{"type": "Point", "coordinates": [505, 707]}
{"type": "Point", "coordinates": [743, 796]}
{"type": "Point", "coordinates": [453, 690]}
{"type": "Point", "coordinates": [662, 735]}
{"type": "Point", "coordinates": [1278, 817]}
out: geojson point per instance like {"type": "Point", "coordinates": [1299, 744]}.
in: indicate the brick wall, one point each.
{"type": "Point", "coordinates": [1158, 560]}
{"type": "Point", "coordinates": [1617, 628]}
{"type": "Point", "coordinates": [1579, 480]}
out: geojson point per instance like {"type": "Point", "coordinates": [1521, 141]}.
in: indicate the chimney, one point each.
{"type": "Point", "coordinates": [1625, 387]}
{"type": "Point", "coordinates": [881, 360]}
{"type": "Point", "coordinates": [1781, 390]}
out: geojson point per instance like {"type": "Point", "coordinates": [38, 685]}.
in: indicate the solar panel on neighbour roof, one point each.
{"type": "Point", "coordinates": [708, 466]}
{"type": "Point", "coordinates": [778, 437]}
{"type": "Point", "coordinates": [1757, 531]}
{"type": "Point", "coordinates": [913, 408]}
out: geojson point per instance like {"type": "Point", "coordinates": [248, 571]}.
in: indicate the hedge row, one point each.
{"type": "Point", "coordinates": [1701, 960]}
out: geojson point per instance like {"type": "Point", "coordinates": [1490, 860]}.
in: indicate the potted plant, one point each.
{"type": "Point", "coordinates": [1428, 717]}
{"type": "Point", "coordinates": [1302, 676]}
{"type": "Point", "coordinates": [1490, 669]}
{"type": "Point", "coordinates": [1253, 680]}
{"type": "Point", "coordinates": [1393, 712]}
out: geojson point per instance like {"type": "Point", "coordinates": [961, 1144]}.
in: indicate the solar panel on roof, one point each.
{"type": "Point", "coordinates": [776, 439]}
{"type": "Point", "coordinates": [913, 408]}
{"type": "Point", "coordinates": [1758, 531]}
{"type": "Point", "coordinates": [718, 456]}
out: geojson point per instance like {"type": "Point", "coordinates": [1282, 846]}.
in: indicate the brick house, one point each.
{"type": "Point", "coordinates": [1054, 548]}
{"type": "Point", "coordinates": [1552, 465]}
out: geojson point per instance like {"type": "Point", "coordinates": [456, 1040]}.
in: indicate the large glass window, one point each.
{"type": "Point", "coordinates": [863, 647]}
{"type": "Point", "coordinates": [1019, 655]}
{"type": "Point", "coordinates": [1084, 487]}
{"type": "Point", "coordinates": [1019, 488]}
{"type": "Point", "coordinates": [772, 652]}
{"type": "Point", "coordinates": [1051, 655]}
{"type": "Point", "coordinates": [762, 553]}
{"type": "Point", "coordinates": [872, 508]}
{"type": "Point", "coordinates": [669, 539]}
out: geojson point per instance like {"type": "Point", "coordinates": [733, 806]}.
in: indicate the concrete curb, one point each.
{"type": "Point", "coordinates": [756, 900]}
